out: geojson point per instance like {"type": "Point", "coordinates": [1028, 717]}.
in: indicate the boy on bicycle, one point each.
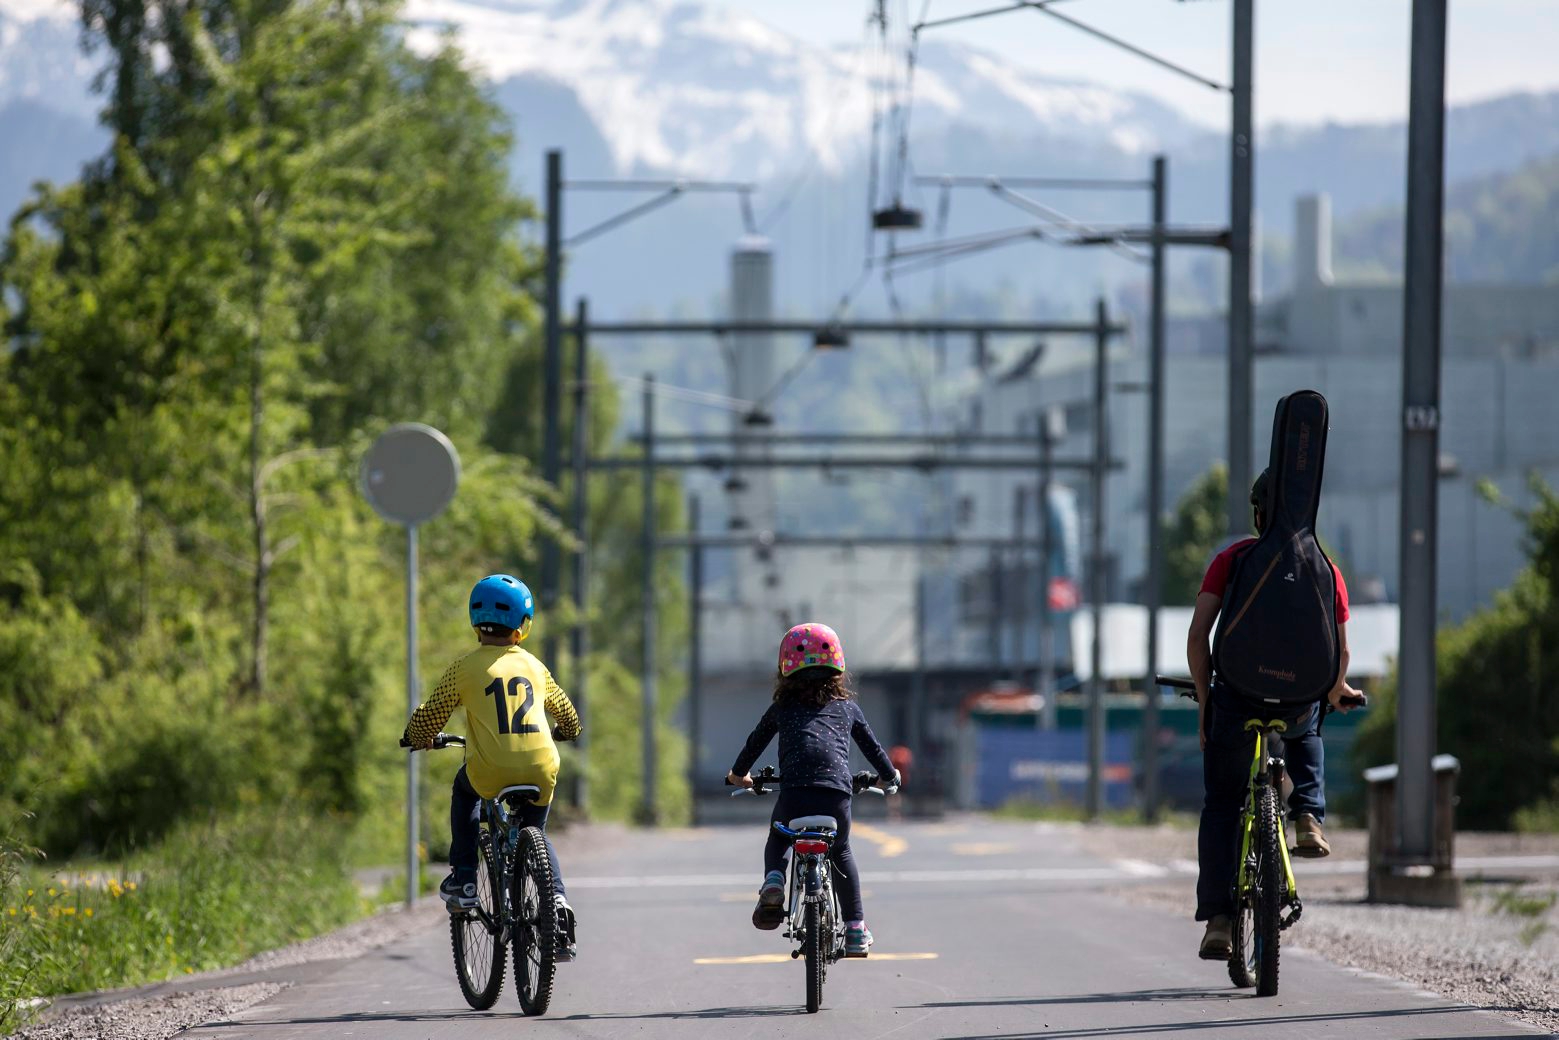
{"type": "Point", "coordinates": [509, 740]}
{"type": "Point", "coordinates": [816, 716]}
{"type": "Point", "coordinates": [1227, 748]}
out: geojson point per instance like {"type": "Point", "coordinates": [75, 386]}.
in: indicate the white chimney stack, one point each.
{"type": "Point", "coordinates": [1312, 242]}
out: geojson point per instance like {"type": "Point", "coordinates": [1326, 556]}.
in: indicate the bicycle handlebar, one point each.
{"type": "Point", "coordinates": [440, 741]}
{"type": "Point", "coordinates": [1187, 690]}
{"type": "Point", "coordinates": [767, 779]}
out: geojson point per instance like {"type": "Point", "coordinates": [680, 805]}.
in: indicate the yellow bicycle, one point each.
{"type": "Point", "coordinates": [1266, 898]}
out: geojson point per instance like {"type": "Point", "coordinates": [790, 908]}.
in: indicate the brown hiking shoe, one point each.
{"type": "Point", "coordinates": [1218, 941]}
{"type": "Point", "coordinates": [1309, 839]}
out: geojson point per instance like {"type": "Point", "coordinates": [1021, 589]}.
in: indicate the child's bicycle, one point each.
{"type": "Point", "coordinates": [1266, 897]}
{"type": "Point", "coordinates": [516, 904]}
{"type": "Point", "coordinates": [812, 916]}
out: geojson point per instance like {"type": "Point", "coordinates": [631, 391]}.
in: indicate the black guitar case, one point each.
{"type": "Point", "coordinates": [1276, 639]}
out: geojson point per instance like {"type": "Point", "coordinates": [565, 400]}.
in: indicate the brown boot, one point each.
{"type": "Point", "coordinates": [1310, 840]}
{"type": "Point", "coordinates": [1218, 941]}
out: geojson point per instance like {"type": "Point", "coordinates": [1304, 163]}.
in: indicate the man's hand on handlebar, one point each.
{"type": "Point", "coordinates": [1345, 698]}
{"type": "Point", "coordinates": [738, 781]}
{"type": "Point", "coordinates": [890, 783]}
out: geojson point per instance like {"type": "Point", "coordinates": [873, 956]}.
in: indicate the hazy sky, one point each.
{"type": "Point", "coordinates": [1316, 60]}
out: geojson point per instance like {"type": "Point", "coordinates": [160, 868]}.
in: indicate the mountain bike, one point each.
{"type": "Point", "coordinates": [516, 905]}
{"type": "Point", "coordinates": [812, 916]}
{"type": "Point", "coordinates": [1266, 897]}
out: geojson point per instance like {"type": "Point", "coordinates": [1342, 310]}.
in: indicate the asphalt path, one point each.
{"type": "Point", "coordinates": [984, 930]}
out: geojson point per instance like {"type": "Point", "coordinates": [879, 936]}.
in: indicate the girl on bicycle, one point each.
{"type": "Point", "coordinates": [816, 716]}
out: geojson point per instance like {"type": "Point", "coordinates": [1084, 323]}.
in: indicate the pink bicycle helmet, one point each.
{"type": "Point", "coordinates": [810, 646]}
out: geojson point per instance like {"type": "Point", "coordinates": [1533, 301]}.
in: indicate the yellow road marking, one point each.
{"type": "Point", "coordinates": [887, 844]}
{"type": "Point", "coordinates": [982, 848]}
{"type": "Point", "coordinates": [781, 958]}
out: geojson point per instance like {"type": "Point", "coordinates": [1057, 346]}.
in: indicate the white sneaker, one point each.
{"type": "Point", "coordinates": [567, 950]}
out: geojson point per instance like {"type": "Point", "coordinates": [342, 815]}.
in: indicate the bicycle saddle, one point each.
{"type": "Point", "coordinates": [814, 823]}
{"type": "Point", "coordinates": [519, 793]}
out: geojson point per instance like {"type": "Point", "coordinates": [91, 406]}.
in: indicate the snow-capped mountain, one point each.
{"type": "Point", "coordinates": [681, 87]}
{"type": "Point", "coordinates": [697, 89]}
{"type": "Point", "coordinates": [41, 58]}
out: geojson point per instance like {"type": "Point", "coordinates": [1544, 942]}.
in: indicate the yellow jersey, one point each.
{"type": "Point", "coordinates": [509, 697]}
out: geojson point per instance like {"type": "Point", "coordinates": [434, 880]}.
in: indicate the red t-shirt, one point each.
{"type": "Point", "coordinates": [1217, 577]}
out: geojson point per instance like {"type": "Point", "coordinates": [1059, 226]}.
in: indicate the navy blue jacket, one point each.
{"type": "Point", "coordinates": [814, 744]}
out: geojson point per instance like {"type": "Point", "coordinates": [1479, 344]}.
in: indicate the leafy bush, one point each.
{"type": "Point", "coordinates": [1496, 710]}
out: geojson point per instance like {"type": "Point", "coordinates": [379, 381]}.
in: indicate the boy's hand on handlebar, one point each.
{"type": "Point", "coordinates": [738, 781]}
{"type": "Point", "coordinates": [895, 781]}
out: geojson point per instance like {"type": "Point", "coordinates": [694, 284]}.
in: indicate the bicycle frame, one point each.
{"type": "Point", "coordinates": [1261, 775]}
{"type": "Point", "coordinates": [811, 881]}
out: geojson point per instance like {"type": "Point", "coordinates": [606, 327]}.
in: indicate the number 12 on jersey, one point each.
{"type": "Point", "coordinates": [515, 723]}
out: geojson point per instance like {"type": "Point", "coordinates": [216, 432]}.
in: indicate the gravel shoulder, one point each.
{"type": "Point", "coordinates": [1499, 951]}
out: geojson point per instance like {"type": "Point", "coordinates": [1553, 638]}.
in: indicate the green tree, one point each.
{"type": "Point", "coordinates": [1193, 535]}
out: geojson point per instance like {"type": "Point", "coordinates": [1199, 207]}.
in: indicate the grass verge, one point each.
{"type": "Point", "coordinates": [207, 897]}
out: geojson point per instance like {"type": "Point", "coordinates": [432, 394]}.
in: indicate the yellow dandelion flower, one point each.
{"type": "Point", "coordinates": [130, 886]}
{"type": "Point", "coordinates": [115, 889]}
{"type": "Point", "coordinates": [169, 939]}
{"type": "Point", "coordinates": [29, 893]}
{"type": "Point", "coordinates": [189, 971]}
{"type": "Point", "coordinates": [13, 911]}
{"type": "Point", "coordinates": [88, 911]}
{"type": "Point", "coordinates": [51, 892]}
{"type": "Point", "coordinates": [69, 911]}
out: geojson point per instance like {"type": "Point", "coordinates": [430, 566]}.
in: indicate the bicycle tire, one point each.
{"type": "Point", "coordinates": [1271, 890]}
{"type": "Point", "coordinates": [1242, 949]}
{"type": "Point", "coordinates": [480, 973]}
{"type": "Point", "coordinates": [535, 923]}
{"type": "Point", "coordinates": [815, 953]}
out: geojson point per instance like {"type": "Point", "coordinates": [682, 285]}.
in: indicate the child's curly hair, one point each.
{"type": "Point", "coordinates": [813, 687]}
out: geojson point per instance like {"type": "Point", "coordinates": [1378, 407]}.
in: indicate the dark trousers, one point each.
{"type": "Point", "coordinates": [794, 802]}
{"type": "Point", "coordinates": [1226, 775]}
{"type": "Point", "coordinates": [464, 805]}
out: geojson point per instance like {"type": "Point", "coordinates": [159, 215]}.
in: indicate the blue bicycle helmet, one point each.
{"type": "Point", "coordinates": [500, 599]}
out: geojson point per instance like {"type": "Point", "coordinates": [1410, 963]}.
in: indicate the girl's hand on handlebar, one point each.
{"type": "Point", "coordinates": [738, 781]}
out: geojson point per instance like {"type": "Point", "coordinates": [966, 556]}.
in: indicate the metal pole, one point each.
{"type": "Point", "coordinates": [1096, 593]}
{"type": "Point", "coordinates": [993, 599]}
{"type": "Point", "coordinates": [580, 636]}
{"type": "Point", "coordinates": [1421, 433]}
{"type": "Point", "coordinates": [1242, 192]}
{"type": "Point", "coordinates": [552, 381]}
{"type": "Point", "coordinates": [1018, 593]}
{"type": "Point", "coordinates": [695, 648]}
{"type": "Point", "coordinates": [1047, 644]}
{"type": "Point", "coordinates": [647, 547]}
{"type": "Point", "coordinates": [1153, 592]}
{"type": "Point", "coordinates": [413, 861]}
{"type": "Point", "coordinates": [917, 691]}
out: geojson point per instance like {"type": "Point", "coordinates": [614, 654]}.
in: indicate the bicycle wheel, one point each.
{"type": "Point", "coordinates": [1242, 952]}
{"type": "Point", "coordinates": [815, 951]}
{"type": "Point", "coordinates": [535, 923]}
{"type": "Point", "coordinates": [476, 935]}
{"type": "Point", "coordinates": [1271, 890]}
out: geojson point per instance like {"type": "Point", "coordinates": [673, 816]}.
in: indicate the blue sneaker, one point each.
{"type": "Point", "coordinates": [770, 911]}
{"type": "Point", "coordinates": [857, 940]}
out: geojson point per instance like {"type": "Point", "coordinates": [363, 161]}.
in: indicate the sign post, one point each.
{"type": "Point", "coordinates": [409, 476]}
